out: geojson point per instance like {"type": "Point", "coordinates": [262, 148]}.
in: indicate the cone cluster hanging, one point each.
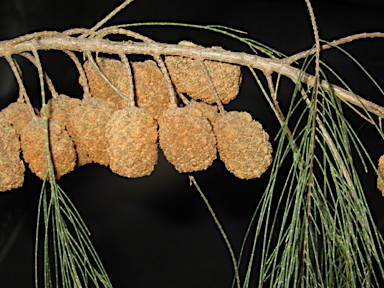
{"type": "Point", "coordinates": [121, 129]}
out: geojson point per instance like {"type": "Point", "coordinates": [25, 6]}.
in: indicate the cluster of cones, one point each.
{"type": "Point", "coordinates": [108, 130]}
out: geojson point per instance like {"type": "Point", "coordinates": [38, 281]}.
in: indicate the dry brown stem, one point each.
{"type": "Point", "coordinates": [111, 14]}
{"type": "Point", "coordinates": [48, 80]}
{"type": "Point", "coordinates": [87, 45]}
{"type": "Point", "coordinates": [23, 93]}
{"type": "Point", "coordinates": [303, 54]}
{"type": "Point", "coordinates": [105, 78]}
{"type": "Point", "coordinates": [213, 88]}
{"type": "Point", "coordinates": [131, 94]}
{"type": "Point", "coordinates": [83, 77]}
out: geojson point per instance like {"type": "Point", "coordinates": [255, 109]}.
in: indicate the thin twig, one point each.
{"type": "Point", "coordinates": [48, 165]}
{"type": "Point", "coordinates": [48, 80]}
{"type": "Point", "coordinates": [276, 105]}
{"type": "Point", "coordinates": [317, 42]}
{"type": "Point", "coordinates": [182, 97]}
{"type": "Point", "coordinates": [131, 95]}
{"type": "Point", "coordinates": [164, 70]}
{"type": "Point", "coordinates": [83, 77]}
{"type": "Point", "coordinates": [315, 94]}
{"type": "Point", "coordinates": [110, 15]}
{"type": "Point", "coordinates": [34, 35]}
{"type": "Point", "coordinates": [301, 55]}
{"type": "Point", "coordinates": [82, 31]}
{"type": "Point", "coordinates": [40, 70]}
{"type": "Point", "coordinates": [105, 78]}
{"type": "Point", "coordinates": [113, 30]}
{"type": "Point", "coordinates": [220, 227]}
{"type": "Point", "coordinates": [313, 107]}
{"type": "Point", "coordinates": [211, 85]}
{"type": "Point", "coordinates": [329, 140]}
{"type": "Point", "coordinates": [16, 71]}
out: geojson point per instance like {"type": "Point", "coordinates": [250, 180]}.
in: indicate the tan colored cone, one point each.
{"type": "Point", "coordinates": [151, 91]}
{"type": "Point", "coordinates": [115, 71]}
{"type": "Point", "coordinates": [209, 111]}
{"type": "Point", "coordinates": [18, 114]}
{"type": "Point", "coordinates": [88, 122]}
{"type": "Point", "coordinates": [187, 139]}
{"type": "Point", "coordinates": [188, 77]}
{"type": "Point", "coordinates": [380, 178]}
{"type": "Point", "coordinates": [33, 146]}
{"type": "Point", "coordinates": [11, 167]}
{"type": "Point", "coordinates": [132, 142]}
{"type": "Point", "coordinates": [242, 144]}
{"type": "Point", "coordinates": [59, 109]}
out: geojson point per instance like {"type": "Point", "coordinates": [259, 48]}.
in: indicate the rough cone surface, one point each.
{"type": "Point", "coordinates": [88, 122]}
{"type": "Point", "coordinates": [115, 71]}
{"type": "Point", "coordinates": [151, 91]}
{"type": "Point", "coordinates": [18, 114]}
{"type": "Point", "coordinates": [11, 167]}
{"type": "Point", "coordinates": [187, 139]}
{"type": "Point", "coordinates": [188, 77]}
{"type": "Point", "coordinates": [60, 109]}
{"type": "Point", "coordinates": [132, 137]}
{"type": "Point", "coordinates": [242, 144]}
{"type": "Point", "coordinates": [209, 111]}
{"type": "Point", "coordinates": [381, 175]}
{"type": "Point", "coordinates": [61, 145]}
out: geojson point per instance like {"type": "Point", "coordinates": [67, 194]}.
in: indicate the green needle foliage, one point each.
{"type": "Point", "coordinates": [326, 236]}
{"type": "Point", "coordinates": [69, 259]}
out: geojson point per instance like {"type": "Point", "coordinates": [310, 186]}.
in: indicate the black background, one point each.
{"type": "Point", "coordinates": [155, 231]}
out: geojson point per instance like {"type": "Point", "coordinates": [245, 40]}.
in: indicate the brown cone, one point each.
{"type": "Point", "coordinates": [209, 111]}
{"type": "Point", "coordinates": [380, 178]}
{"type": "Point", "coordinates": [188, 77]}
{"type": "Point", "coordinates": [132, 137]}
{"type": "Point", "coordinates": [187, 139]}
{"type": "Point", "coordinates": [61, 146]}
{"type": "Point", "coordinates": [59, 109]}
{"type": "Point", "coordinates": [11, 167]}
{"type": "Point", "coordinates": [242, 144]}
{"type": "Point", "coordinates": [115, 71]}
{"type": "Point", "coordinates": [151, 91]}
{"type": "Point", "coordinates": [18, 114]}
{"type": "Point", "coordinates": [88, 122]}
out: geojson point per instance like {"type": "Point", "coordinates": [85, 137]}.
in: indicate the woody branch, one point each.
{"type": "Point", "coordinates": [60, 41]}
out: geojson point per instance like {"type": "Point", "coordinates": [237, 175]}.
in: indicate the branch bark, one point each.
{"type": "Point", "coordinates": [60, 41]}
